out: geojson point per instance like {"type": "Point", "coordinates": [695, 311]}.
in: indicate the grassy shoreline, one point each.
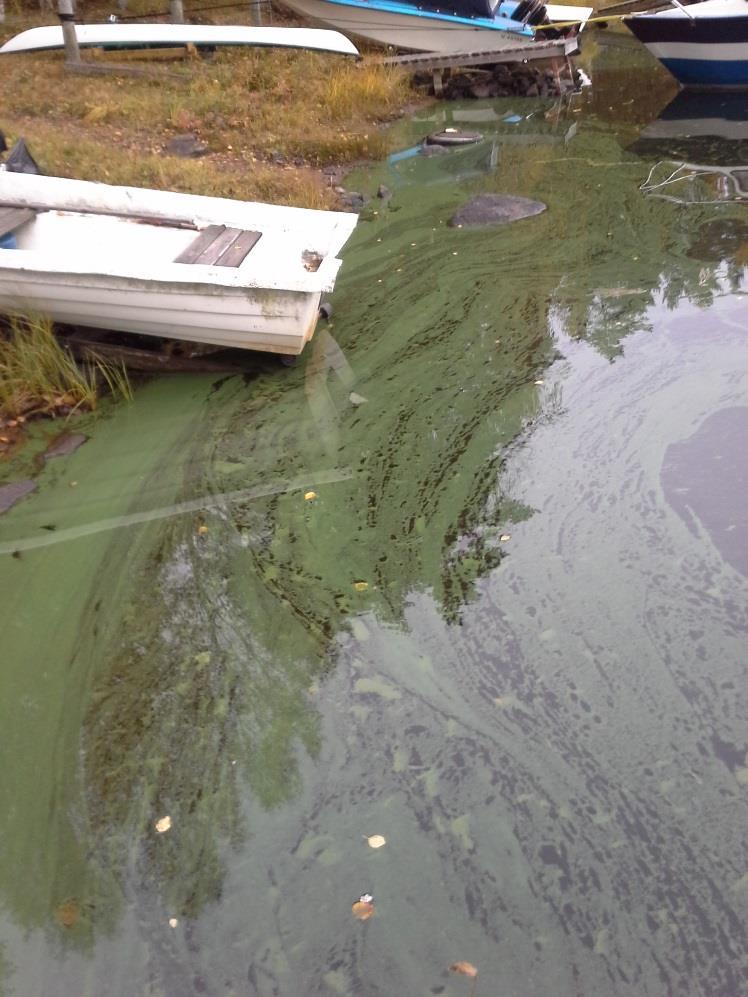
{"type": "Point", "coordinates": [272, 120]}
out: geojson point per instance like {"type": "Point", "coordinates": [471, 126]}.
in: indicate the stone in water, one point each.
{"type": "Point", "coordinates": [495, 209]}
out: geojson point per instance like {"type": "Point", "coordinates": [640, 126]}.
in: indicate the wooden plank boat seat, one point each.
{"type": "Point", "coordinates": [219, 246]}
{"type": "Point", "coordinates": [13, 218]}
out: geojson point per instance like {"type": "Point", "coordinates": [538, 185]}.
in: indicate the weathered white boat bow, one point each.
{"type": "Point", "coordinates": [206, 269]}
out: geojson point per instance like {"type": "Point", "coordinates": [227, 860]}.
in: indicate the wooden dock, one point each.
{"type": "Point", "coordinates": [557, 49]}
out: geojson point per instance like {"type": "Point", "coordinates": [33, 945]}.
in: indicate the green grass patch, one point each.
{"type": "Point", "coordinates": [38, 376]}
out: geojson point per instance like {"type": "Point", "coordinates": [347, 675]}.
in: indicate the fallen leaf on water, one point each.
{"type": "Point", "coordinates": [202, 530]}
{"type": "Point", "coordinates": [464, 968]}
{"type": "Point", "coordinates": [163, 824]}
{"type": "Point", "coordinates": [376, 841]}
{"type": "Point", "coordinates": [363, 907]}
{"type": "Point", "coordinates": [310, 496]}
{"type": "Point", "coordinates": [67, 914]}
{"type": "Point", "coordinates": [538, 382]}
{"type": "Point", "coordinates": [361, 586]}
{"type": "Point", "coordinates": [504, 537]}
{"type": "Point", "coordinates": [173, 922]}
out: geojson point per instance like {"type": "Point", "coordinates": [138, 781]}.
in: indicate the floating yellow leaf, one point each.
{"type": "Point", "coordinates": [202, 530]}
{"type": "Point", "coordinates": [67, 914]}
{"type": "Point", "coordinates": [361, 586]}
{"type": "Point", "coordinates": [310, 496]}
{"type": "Point", "coordinates": [163, 824]}
{"type": "Point", "coordinates": [505, 537]}
{"type": "Point", "coordinates": [376, 841]}
{"type": "Point", "coordinates": [464, 968]}
{"type": "Point", "coordinates": [363, 909]}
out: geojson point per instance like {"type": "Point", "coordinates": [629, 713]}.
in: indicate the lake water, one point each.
{"type": "Point", "coordinates": [508, 632]}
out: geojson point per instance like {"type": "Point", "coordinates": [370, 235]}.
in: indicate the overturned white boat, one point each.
{"type": "Point", "coordinates": [134, 36]}
{"type": "Point", "coordinates": [182, 266]}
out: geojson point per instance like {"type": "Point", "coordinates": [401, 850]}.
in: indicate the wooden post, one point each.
{"type": "Point", "coordinates": [176, 12]}
{"type": "Point", "coordinates": [67, 19]}
{"type": "Point", "coordinates": [255, 12]}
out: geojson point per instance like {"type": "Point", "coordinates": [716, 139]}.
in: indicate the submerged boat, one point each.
{"type": "Point", "coordinates": [703, 45]}
{"type": "Point", "coordinates": [134, 36]}
{"type": "Point", "coordinates": [203, 269]}
{"type": "Point", "coordinates": [444, 26]}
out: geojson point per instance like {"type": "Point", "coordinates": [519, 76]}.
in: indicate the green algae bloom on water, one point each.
{"type": "Point", "coordinates": [533, 700]}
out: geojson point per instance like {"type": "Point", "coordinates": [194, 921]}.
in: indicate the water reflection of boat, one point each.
{"type": "Point", "coordinates": [464, 163]}
{"type": "Point", "coordinates": [692, 115]}
{"type": "Point", "coordinates": [429, 164]}
{"type": "Point", "coordinates": [456, 26]}
{"type": "Point", "coordinates": [203, 269]}
{"type": "Point", "coordinates": [703, 45]}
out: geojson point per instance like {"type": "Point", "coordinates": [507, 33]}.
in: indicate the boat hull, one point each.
{"type": "Point", "coordinates": [705, 52]}
{"type": "Point", "coordinates": [419, 31]}
{"type": "Point", "coordinates": [261, 319]}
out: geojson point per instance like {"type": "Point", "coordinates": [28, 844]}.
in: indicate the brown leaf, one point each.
{"type": "Point", "coordinates": [363, 909]}
{"type": "Point", "coordinates": [464, 968]}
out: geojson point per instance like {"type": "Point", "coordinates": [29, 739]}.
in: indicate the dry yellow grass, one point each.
{"type": "Point", "coordinates": [251, 107]}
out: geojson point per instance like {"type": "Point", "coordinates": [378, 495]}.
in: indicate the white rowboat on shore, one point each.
{"type": "Point", "coordinates": [182, 266]}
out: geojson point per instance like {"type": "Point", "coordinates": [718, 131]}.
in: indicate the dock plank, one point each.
{"type": "Point", "coordinates": [513, 52]}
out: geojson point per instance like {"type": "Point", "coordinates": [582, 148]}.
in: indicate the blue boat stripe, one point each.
{"type": "Point", "coordinates": [704, 31]}
{"type": "Point", "coordinates": [706, 72]}
{"type": "Point", "coordinates": [497, 23]}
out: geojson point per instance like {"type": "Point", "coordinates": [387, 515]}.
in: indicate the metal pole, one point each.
{"type": "Point", "coordinates": [67, 19]}
{"type": "Point", "coordinates": [255, 12]}
{"type": "Point", "coordinates": [176, 12]}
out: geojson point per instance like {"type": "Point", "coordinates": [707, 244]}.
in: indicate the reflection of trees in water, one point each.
{"type": "Point", "coordinates": [634, 250]}
{"type": "Point", "coordinates": [202, 690]}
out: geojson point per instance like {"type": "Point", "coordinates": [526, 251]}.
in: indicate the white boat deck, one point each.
{"type": "Point", "coordinates": [85, 243]}
{"type": "Point", "coordinates": [96, 228]}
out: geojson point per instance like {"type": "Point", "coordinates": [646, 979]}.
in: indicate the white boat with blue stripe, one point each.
{"type": "Point", "coordinates": [704, 45]}
{"type": "Point", "coordinates": [444, 26]}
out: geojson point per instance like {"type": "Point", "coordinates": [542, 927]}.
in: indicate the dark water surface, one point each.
{"type": "Point", "coordinates": [510, 632]}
